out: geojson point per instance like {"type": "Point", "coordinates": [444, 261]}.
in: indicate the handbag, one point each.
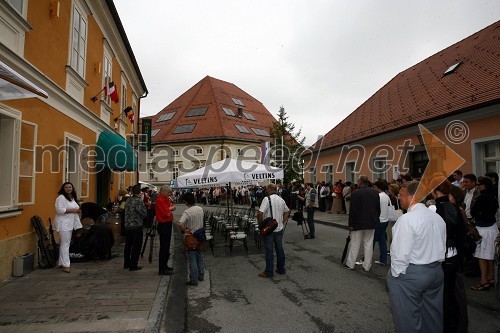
{"type": "Point", "coordinates": [192, 243]}
{"type": "Point", "coordinates": [269, 224]}
{"type": "Point", "coordinates": [472, 239]}
{"type": "Point", "coordinates": [391, 212]}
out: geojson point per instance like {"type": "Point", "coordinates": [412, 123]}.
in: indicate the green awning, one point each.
{"type": "Point", "coordinates": [115, 152]}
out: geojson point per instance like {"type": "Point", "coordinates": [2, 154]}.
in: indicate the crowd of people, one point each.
{"type": "Point", "coordinates": [427, 240]}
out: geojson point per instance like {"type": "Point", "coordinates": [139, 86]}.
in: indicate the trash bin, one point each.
{"type": "Point", "coordinates": [23, 264]}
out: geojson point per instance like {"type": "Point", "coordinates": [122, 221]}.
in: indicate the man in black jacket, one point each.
{"type": "Point", "coordinates": [363, 219]}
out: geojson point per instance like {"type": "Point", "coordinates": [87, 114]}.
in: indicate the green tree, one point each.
{"type": "Point", "coordinates": [287, 147]}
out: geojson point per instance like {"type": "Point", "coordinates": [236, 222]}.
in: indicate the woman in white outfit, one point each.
{"type": "Point", "coordinates": [67, 219]}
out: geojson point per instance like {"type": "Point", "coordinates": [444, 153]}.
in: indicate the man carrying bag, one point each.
{"type": "Point", "coordinates": [276, 208]}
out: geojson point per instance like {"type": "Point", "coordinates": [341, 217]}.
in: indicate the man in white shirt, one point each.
{"type": "Point", "coordinates": [457, 175]}
{"type": "Point", "coordinates": [415, 280]}
{"type": "Point", "coordinates": [274, 239]}
{"type": "Point", "coordinates": [471, 193]}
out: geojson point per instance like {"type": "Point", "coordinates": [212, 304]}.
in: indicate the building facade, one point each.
{"type": "Point", "coordinates": [211, 121]}
{"type": "Point", "coordinates": [454, 94]}
{"type": "Point", "coordinates": [72, 128]}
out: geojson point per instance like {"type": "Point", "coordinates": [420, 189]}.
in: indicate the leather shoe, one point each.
{"type": "Point", "coordinates": [191, 283]}
{"type": "Point", "coordinates": [137, 268]}
{"type": "Point", "coordinates": [309, 237]}
{"type": "Point", "coordinates": [201, 278]}
{"type": "Point", "coordinates": [166, 272]}
{"type": "Point", "coordinates": [280, 272]}
{"type": "Point", "coordinates": [264, 275]}
{"type": "Point", "coordinates": [345, 266]}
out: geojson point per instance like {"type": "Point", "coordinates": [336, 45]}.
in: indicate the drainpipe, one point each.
{"type": "Point", "coordinates": [138, 132]}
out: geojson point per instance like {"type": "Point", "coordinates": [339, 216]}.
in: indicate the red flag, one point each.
{"type": "Point", "coordinates": [110, 91]}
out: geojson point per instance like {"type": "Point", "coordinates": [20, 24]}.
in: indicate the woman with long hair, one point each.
{"type": "Point", "coordinates": [67, 219]}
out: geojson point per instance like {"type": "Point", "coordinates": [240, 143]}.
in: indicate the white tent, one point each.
{"type": "Point", "coordinates": [229, 171]}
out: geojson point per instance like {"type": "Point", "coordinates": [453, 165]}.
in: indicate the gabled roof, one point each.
{"type": "Point", "coordinates": [429, 90]}
{"type": "Point", "coordinates": [209, 110]}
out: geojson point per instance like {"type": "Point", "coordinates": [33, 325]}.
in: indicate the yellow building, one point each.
{"type": "Point", "coordinates": [57, 122]}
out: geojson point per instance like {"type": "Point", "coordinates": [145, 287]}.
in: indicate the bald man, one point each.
{"type": "Point", "coordinates": [273, 205]}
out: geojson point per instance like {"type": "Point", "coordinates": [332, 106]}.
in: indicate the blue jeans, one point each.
{"type": "Point", "coordinates": [382, 242]}
{"type": "Point", "coordinates": [274, 239]}
{"type": "Point", "coordinates": [310, 220]}
{"type": "Point", "coordinates": [196, 266]}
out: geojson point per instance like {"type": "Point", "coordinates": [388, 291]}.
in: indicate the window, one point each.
{"type": "Point", "coordinates": [229, 112]}
{"type": "Point", "coordinates": [260, 131]}
{"type": "Point", "coordinates": [18, 5]}
{"type": "Point", "coordinates": [73, 163]}
{"type": "Point", "coordinates": [452, 68]}
{"type": "Point", "coordinates": [329, 173]}
{"type": "Point", "coordinates": [107, 72]}
{"type": "Point", "coordinates": [196, 112]}
{"type": "Point", "coordinates": [123, 98]}
{"type": "Point", "coordinates": [175, 152]}
{"type": "Point", "coordinates": [165, 117]}
{"type": "Point", "coordinates": [242, 129]}
{"type": "Point", "coordinates": [175, 172]}
{"type": "Point", "coordinates": [79, 41]}
{"type": "Point", "coordinates": [240, 152]}
{"type": "Point", "coordinates": [84, 183]}
{"type": "Point", "coordinates": [249, 116]}
{"type": "Point", "coordinates": [26, 163]}
{"type": "Point", "coordinates": [10, 123]}
{"type": "Point", "coordinates": [491, 157]}
{"type": "Point", "coordinates": [312, 172]}
{"type": "Point", "coordinates": [155, 131]}
{"type": "Point", "coordinates": [379, 168]}
{"type": "Point", "coordinates": [237, 101]}
{"type": "Point", "coordinates": [199, 151]}
{"type": "Point", "coordinates": [134, 124]}
{"type": "Point", "coordinates": [184, 129]}
{"type": "Point", "coordinates": [350, 172]}
{"type": "Point", "coordinates": [121, 179]}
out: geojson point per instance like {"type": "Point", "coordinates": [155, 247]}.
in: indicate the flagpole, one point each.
{"type": "Point", "coordinates": [94, 98]}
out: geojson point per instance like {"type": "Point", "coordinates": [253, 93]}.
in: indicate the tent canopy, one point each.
{"type": "Point", "coordinates": [229, 171]}
{"type": "Point", "coordinates": [115, 152]}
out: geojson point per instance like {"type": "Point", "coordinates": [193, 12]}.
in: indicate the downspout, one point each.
{"type": "Point", "coordinates": [138, 132]}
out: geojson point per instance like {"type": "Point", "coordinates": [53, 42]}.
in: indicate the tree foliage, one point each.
{"type": "Point", "coordinates": [287, 146]}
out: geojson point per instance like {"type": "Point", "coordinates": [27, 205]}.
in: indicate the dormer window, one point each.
{"type": "Point", "coordinates": [237, 101]}
{"type": "Point", "coordinates": [452, 68]}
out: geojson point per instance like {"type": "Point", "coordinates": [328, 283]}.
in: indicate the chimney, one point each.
{"type": "Point", "coordinates": [240, 112]}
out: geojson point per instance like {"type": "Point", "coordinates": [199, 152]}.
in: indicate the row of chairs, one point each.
{"type": "Point", "coordinates": [234, 227]}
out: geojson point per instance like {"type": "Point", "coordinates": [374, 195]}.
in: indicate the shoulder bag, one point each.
{"type": "Point", "coordinates": [269, 224]}
{"type": "Point", "coordinates": [192, 243]}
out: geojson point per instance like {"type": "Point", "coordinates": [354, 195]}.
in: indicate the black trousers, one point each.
{"type": "Point", "coordinates": [454, 302]}
{"type": "Point", "coordinates": [165, 233]}
{"type": "Point", "coordinates": [133, 244]}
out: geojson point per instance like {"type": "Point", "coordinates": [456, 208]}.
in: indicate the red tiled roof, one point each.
{"type": "Point", "coordinates": [423, 92]}
{"type": "Point", "coordinates": [213, 94]}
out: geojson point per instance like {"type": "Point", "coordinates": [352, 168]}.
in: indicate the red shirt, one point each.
{"type": "Point", "coordinates": [162, 210]}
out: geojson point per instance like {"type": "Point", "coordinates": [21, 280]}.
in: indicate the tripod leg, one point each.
{"type": "Point", "coordinates": [145, 242]}
{"type": "Point", "coordinates": [151, 246]}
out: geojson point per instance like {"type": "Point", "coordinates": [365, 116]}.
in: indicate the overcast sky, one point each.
{"type": "Point", "coordinates": [319, 59]}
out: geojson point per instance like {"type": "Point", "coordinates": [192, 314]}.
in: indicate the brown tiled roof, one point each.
{"type": "Point", "coordinates": [214, 95]}
{"type": "Point", "coordinates": [423, 92]}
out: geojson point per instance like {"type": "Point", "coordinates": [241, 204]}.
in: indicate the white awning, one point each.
{"type": "Point", "coordinates": [14, 86]}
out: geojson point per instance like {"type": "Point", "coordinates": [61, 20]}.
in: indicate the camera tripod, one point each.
{"type": "Point", "coordinates": [150, 234]}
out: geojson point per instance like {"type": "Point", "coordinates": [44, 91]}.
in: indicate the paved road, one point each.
{"type": "Point", "coordinates": [315, 295]}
